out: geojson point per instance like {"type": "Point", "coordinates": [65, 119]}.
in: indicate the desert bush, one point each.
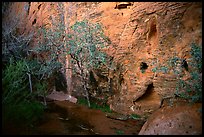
{"type": "Point", "coordinates": [21, 77]}
{"type": "Point", "coordinates": [18, 102]}
{"type": "Point", "coordinates": [85, 43]}
{"type": "Point", "coordinates": [94, 105]}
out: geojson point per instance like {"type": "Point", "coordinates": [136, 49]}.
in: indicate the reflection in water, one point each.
{"type": "Point", "coordinates": [66, 118]}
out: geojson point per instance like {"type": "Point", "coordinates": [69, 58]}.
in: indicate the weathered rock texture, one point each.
{"type": "Point", "coordinates": [151, 33]}
{"type": "Point", "coordinates": [178, 120]}
{"type": "Point", "coordinates": [144, 35]}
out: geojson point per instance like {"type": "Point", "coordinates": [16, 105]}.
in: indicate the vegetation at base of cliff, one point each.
{"type": "Point", "coordinates": [119, 132]}
{"type": "Point", "coordinates": [80, 47]}
{"type": "Point", "coordinates": [94, 105]}
{"type": "Point", "coordinates": [29, 73]}
{"type": "Point", "coordinates": [18, 102]}
{"type": "Point", "coordinates": [86, 43]}
{"type": "Point", "coordinates": [25, 76]}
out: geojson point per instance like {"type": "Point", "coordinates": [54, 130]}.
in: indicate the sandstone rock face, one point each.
{"type": "Point", "coordinates": [151, 33]}
{"type": "Point", "coordinates": [144, 36]}
{"type": "Point", "coordinates": [183, 119]}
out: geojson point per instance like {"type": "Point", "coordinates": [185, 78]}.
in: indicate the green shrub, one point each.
{"type": "Point", "coordinates": [93, 105]}
{"type": "Point", "coordinates": [192, 88]}
{"type": "Point", "coordinates": [119, 132]}
{"type": "Point", "coordinates": [26, 112]}
{"type": "Point", "coordinates": [18, 102]}
{"type": "Point", "coordinates": [14, 81]}
{"type": "Point", "coordinates": [86, 42]}
{"type": "Point", "coordinates": [196, 53]}
{"type": "Point", "coordinates": [155, 69]}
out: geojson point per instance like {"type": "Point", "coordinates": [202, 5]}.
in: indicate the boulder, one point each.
{"type": "Point", "coordinates": [61, 96]}
{"type": "Point", "coordinates": [185, 119]}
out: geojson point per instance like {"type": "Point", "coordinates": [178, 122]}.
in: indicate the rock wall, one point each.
{"type": "Point", "coordinates": [147, 34]}
{"type": "Point", "coordinates": [144, 36]}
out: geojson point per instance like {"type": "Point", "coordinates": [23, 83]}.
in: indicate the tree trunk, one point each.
{"type": "Point", "coordinates": [68, 66]}
{"type": "Point", "coordinates": [84, 83]}
{"type": "Point", "coordinates": [86, 94]}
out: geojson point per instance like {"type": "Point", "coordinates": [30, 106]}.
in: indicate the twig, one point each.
{"type": "Point", "coordinates": [29, 77]}
{"type": "Point", "coordinates": [30, 82]}
{"type": "Point", "coordinates": [45, 102]}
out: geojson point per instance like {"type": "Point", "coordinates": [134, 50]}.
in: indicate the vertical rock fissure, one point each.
{"type": "Point", "coordinates": [29, 3]}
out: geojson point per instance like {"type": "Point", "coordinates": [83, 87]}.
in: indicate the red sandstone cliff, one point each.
{"type": "Point", "coordinates": [147, 33]}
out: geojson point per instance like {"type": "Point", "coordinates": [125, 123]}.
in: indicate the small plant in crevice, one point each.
{"type": "Point", "coordinates": [191, 89]}
{"type": "Point", "coordinates": [174, 64]}
{"type": "Point", "coordinates": [155, 69]}
{"type": "Point", "coordinates": [135, 116]}
{"type": "Point", "coordinates": [162, 69]}
{"type": "Point", "coordinates": [196, 53]}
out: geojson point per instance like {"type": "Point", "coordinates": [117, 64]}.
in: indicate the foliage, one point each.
{"type": "Point", "coordinates": [173, 61]}
{"type": "Point", "coordinates": [14, 41]}
{"type": "Point", "coordinates": [196, 52]}
{"type": "Point", "coordinates": [192, 88]}
{"type": "Point", "coordinates": [163, 69]}
{"type": "Point", "coordinates": [104, 107]}
{"type": "Point", "coordinates": [14, 81]}
{"type": "Point", "coordinates": [154, 69]}
{"type": "Point", "coordinates": [85, 43]}
{"type": "Point", "coordinates": [20, 76]}
{"type": "Point", "coordinates": [17, 98]}
{"type": "Point", "coordinates": [50, 50]}
{"type": "Point", "coordinates": [82, 43]}
{"type": "Point", "coordinates": [25, 111]}
{"type": "Point", "coordinates": [119, 132]}
{"type": "Point", "coordinates": [135, 116]}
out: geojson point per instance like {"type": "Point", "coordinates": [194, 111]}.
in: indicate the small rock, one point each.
{"type": "Point", "coordinates": [71, 99]}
